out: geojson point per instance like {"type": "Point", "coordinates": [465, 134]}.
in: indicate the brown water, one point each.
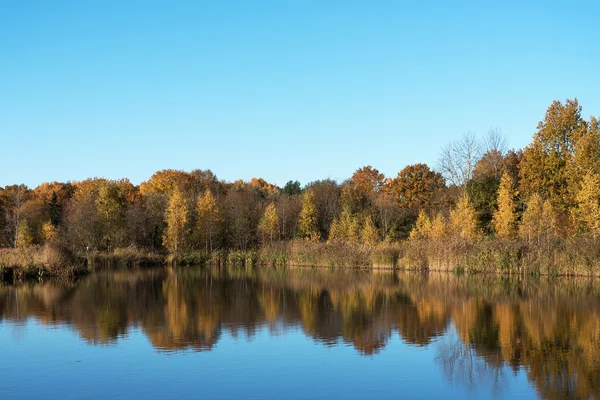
{"type": "Point", "coordinates": [299, 333]}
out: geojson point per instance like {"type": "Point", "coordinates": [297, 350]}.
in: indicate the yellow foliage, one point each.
{"type": "Point", "coordinates": [176, 218]}
{"type": "Point", "coordinates": [505, 218]}
{"type": "Point", "coordinates": [208, 219]}
{"type": "Point", "coordinates": [49, 232]}
{"type": "Point", "coordinates": [588, 208]}
{"type": "Point", "coordinates": [439, 227]}
{"type": "Point", "coordinates": [24, 236]}
{"type": "Point", "coordinates": [422, 228]}
{"type": "Point", "coordinates": [269, 224]}
{"type": "Point", "coordinates": [308, 217]}
{"type": "Point", "coordinates": [539, 223]}
{"type": "Point", "coordinates": [369, 234]}
{"type": "Point", "coordinates": [463, 220]}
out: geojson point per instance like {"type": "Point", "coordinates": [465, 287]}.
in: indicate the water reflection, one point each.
{"type": "Point", "coordinates": [549, 328]}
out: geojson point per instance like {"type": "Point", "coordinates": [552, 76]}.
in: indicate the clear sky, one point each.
{"type": "Point", "coordinates": [278, 89]}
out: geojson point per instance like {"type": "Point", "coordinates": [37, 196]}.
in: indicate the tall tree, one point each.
{"type": "Point", "coordinates": [505, 218]}
{"type": "Point", "coordinates": [176, 218]}
{"type": "Point", "coordinates": [269, 224]}
{"type": "Point", "coordinates": [588, 204]}
{"type": "Point", "coordinates": [307, 225]}
{"type": "Point", "coordinates": [458, 159]}
{"type": "Point", "coordinates": [416, 185]}
{"type": "Point", "coordinates": [463, 220]}
{"type": "Point", "coordinates": [547, 167]}
{"type": "Point", "coordinates": [208, 220]}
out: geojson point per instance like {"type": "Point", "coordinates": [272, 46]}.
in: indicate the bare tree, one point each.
{"type": "Point", "coordinates": [496, 141]}
{"type": "Point", "coordinates": [457, 159]}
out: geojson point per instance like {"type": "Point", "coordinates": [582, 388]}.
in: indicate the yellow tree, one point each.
{"type": "Point", "coordinates": [549, 222]}
{"type": "Point", "coordinates": [49, 232]}
{"type": "Point", "coordinates": [369, 234]}
{"type": "Point", "coordinates": [548, 162]}
{"type": "Point", "coordinates": [269, 224]}
{"type": "Point", "coordinates": [588, 208]}
{"type": "Point", "coordinates": [439, 227]}
{"type": "Point", "coordinates": [422, 228]}
{"type": "Point", "coordinates": [307, 224]}
{"type": "Point", "coordinates": [176, 217]}
{"type": "Point", "coordinates": [530, 222]}
{"type": "Point", "coordinates": [209, 220]}
{"type": "Point", "coordinates": [463, 220]}
{"type": "Point", "coordinates": [539, 224]}
{"type": "Point", "coordinates": [505, 218]}
{"type": "Point", "coordinates": [24, 236]}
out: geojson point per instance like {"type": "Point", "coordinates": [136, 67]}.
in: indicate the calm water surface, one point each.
{"type": "Point", "coordinates": [299, 334]}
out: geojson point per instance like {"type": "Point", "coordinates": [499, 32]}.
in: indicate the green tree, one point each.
{"type": "Point", "coordinates": [292, 188]}
{"type": "Point", "coordinates": [176, 218]}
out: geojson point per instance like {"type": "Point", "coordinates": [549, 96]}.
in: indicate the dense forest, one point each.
{"type": "Point", "coordinates": [482, 206]}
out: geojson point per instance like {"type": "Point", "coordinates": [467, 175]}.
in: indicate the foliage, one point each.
{"type": "Point", "coordinates": [269, 224]}
{"type": "Point", "coordinates": [505, 218]}
{"type": "Point", "coordinates": [176, 218]}
{"type": "Point", "coordinates": [308, 217]}
{"type": "Point", "coordinates": [208, 220]}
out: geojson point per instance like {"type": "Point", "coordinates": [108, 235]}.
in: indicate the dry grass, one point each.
{"type": "Point", "coordinates": [38, 261]}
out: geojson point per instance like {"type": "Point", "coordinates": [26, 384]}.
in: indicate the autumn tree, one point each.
{"type": "Point", "coordinates": [167, 182]}
{"type": "Point", "coordinates": [288, 210]}
{"type": "Point", "coordinates": [111, 204]}
{"type": "Point", "coordinates": [588, 204]}
{"type": "Point", "coordinates": [547, 167]}
{"type": "Point", "coordinates": [307, 224]}
{"type": "Point", "coordinates": [269, 224]}
{"type": "Point", "coordinates": [208, 220]}
{"type": "Point", "coordinates": [346, 227]}
{"type": "Point", "coordinates": [326, 196]}
{"type": "Point", "coordinates": [242, 211]}
{"type": "Point", "coordinates": [369, 235]}
{"type": "Point", "coordinates": [49, 232]}
{"type": "Point", "coordinates": [24, 235]}
{"type": "Point", "coordinates": [539, 224]}
{"type": "Point", "coordinates": [505, 218]}
{"type": "Point", "coordinates": [14, 198]}
{"type": "Point", "coordinates": [176, 218]}
{"type": "Point", "coordinates": [463, 220]}
{"type": "Point", "coordinates": [359, 191]}
{"type": "Point", "coordinates": [415, 185]}
{"type": "Point", "coordinates": [422, 227]}
{"type": "Point", "coordinates": [439, 227]}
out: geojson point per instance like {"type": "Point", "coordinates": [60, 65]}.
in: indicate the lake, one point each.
{"type": "Point", "coordinates": [264, 333]}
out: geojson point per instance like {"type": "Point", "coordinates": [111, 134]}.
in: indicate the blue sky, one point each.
{"type": "Point", "coordinates": [278, 89]}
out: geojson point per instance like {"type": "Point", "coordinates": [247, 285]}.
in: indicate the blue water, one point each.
{"type": "Point", "coordinates": [50, 349]}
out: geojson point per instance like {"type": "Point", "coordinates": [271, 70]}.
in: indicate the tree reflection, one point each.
{"type": "Point", "coordinates": [482, 327]}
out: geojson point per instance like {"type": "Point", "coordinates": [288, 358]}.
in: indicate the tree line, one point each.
{"type": "Point", "coordinates": [548, 191]}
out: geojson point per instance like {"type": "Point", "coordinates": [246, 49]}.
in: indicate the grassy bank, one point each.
{"type": "Point", "coordinates": [38, 261]}
{"type": "Point", "coordinates": [573, 257]}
